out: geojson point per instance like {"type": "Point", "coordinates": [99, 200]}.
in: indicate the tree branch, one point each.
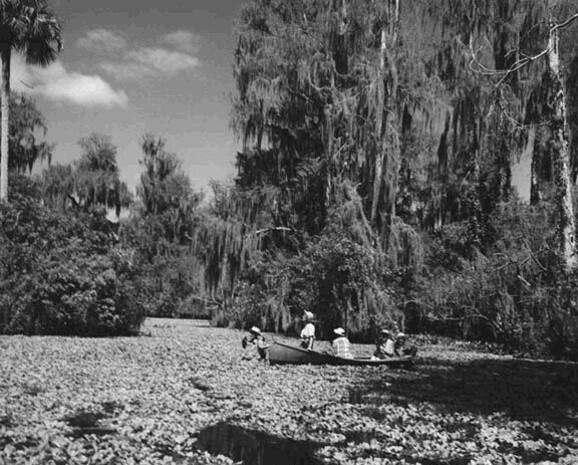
{"type": "Point", "coordinates": [518, 65]}
{"type": "Point", "coordinates": [278, 228]}
{"type": "Point", "coordinates": [522, 62]}
{"type": "Point", "coordinates": [565, 24]}
{"type": "Point", "coordinates": [74, 201]}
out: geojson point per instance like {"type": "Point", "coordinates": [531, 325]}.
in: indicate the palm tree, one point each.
{"type": "Point", "coordinates": [31, 28]}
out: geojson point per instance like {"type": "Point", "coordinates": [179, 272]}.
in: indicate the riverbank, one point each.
{"type": "Point", "coordinates": [183, 394]}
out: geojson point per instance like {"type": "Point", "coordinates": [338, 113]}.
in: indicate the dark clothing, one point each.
{"type": "Point", "coordinates": [260, 343]}
{"type": "Point", "coordinates": [385, 348]}
{"type": "Point", "coordinates": [262, 348]}
{"type": "Point", "coordinates": [402, 351]}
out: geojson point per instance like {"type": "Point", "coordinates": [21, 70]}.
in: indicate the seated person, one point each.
{"type": "Point", "coordinates": [308, 331]}
{"type": "Point", "coordinates": [258, 340]}
{"type": "Point", "coordinates": [385, 346]}
{"type": "Point", "coordinates": [341, 345]}
{"type": "Point", "coordinates": [400, 348]}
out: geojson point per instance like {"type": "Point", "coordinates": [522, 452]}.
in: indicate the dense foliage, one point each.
{"type": "Point", "coordinates": [62, 268]}
{"type": "Point", "coordinates": [26, 125]}
{"type": "Point", "coordinates": [159, 230]}
{"type": "Point", "coordinates": [374, 180]}
{"type": "Point", "coordinates": [374, 183]}
{"type": "Point", "coordinates": [92, 180]}
{"type": "Point", "coordinates": [62, 273]}
{"type": "Point", "coordinates": [516, 293]}
{"type": "Point", "coordinates": [31, 28]}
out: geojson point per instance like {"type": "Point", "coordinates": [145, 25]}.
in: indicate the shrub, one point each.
{"type": "Point", "coordinates": [516, 294]}
{"type": "Point", "coordinates": [342, 282]}
{"type": "Point", "coordinates": [169, 275]}
{"type": "Point", "coordinates": [63, 273]}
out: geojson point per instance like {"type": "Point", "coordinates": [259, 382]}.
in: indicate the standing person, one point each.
{"type": "Point", "coordinates": [308, 331]}
{"type": "Point", "coordinates": [341, 345]}
{"type": "Point", "coordinates": [257, 339]}
{"type": "Point", "coordinates": [385, 346]}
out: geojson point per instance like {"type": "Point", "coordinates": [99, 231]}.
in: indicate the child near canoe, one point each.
{"type": "Point", "coordinates": [257, 339]}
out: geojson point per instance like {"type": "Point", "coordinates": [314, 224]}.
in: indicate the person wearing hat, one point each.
{"type": "Point", "coordinates": [308, 332]}
{"type": "Point", "coordinates": [400, 347]}
{"type": "Point", "coordinates": [385, 346]}
{"type": "Point", "coordinates": [341, 345]}
{"type": "Point", "coordinates": [257, 339]}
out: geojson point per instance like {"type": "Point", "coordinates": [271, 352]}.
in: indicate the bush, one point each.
{"type": "Point", "coordinates": [516, 294]}
{"type": "Point", "coordinates": [342, 282]}
{"type": "Point", "coordinates": [169, 275]}
{"type": "Point", "coordinates": [63, 274]}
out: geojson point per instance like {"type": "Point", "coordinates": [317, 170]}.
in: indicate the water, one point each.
{"type": "Point", "coordinates": [84, 422]}
{"type": "Point", "coordinates": [253, 447]}
{"type": "Point", "coordinates": [256, 447]}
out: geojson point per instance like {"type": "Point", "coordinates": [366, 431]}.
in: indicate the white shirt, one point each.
{"type": "Point", "coordinates": [308, 331]}
{"type": "Point", "coordinates": [389, 347]}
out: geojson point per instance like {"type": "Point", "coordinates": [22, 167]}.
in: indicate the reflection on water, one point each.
{"type": "Point", "coordinates": [256, 447]}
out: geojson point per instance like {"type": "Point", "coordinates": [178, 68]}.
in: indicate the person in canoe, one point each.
{"type": "Point", "coordinates": [308, 332]}
{"type": "Point", "coordinates": [257, 339]}
{"type": "Point", "coordinates": [401, 350]}
{"type": "Point", "coordinates": [385, 346]}
{"type": "Point", "coordinates": [341, 345]}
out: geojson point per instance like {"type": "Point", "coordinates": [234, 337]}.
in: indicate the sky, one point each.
{"type": "Point", "coordinates": [128, 68]}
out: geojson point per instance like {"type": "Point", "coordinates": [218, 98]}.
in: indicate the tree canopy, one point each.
{"type": "Point", "coordinates": [29, 27]}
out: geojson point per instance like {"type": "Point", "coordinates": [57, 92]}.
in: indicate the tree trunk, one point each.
{"type": "Point", "coordinates": [385, 108]}
{"type": "Point", "coordinates": [340, 58]}
{"type": "Point", "coordinates": [379, 127]}
{"type": "Point", "coordinates": [4, 121]}
{"type": "Point", "coordinates": [561, 157]}
{"type": "Point", "coordinates": [476, 207]}
{"type": "Point", "coordinates": [535, 196]}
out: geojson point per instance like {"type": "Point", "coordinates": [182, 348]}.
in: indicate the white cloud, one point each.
{"type": "Point", "coordinates": [102, 40]}
{"type": "Point", "coordinates": [163, 60]}
{"type": "Point", "coordinates": [56, 83]}
{"type": "Point", "coordinates": [176, 54]}
{"type": "Point", "coordinates": [183, 41]}
{"type": "Point", "coordinates": [150, 61]}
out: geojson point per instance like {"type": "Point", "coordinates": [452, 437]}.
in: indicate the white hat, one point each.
{"type": "Point", "coordinates": [385, 331]}
{"type": "Point", "coordinates": [255, 330]}
{"type": "Point", "coordinates": [308, 315]}
{"type": "Point", "coordinates": [401, 335]}
{"type": "Point", "coordinates": [339, 331]}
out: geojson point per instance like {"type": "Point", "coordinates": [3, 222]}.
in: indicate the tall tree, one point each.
{"type": "Point", "coordinates": [543, 22]}
{"type": "Point", "coordinates": [161, 228]}
{"type": "Point", "coordinates": [318, 106]}
{"type": "Point", "coordinates": [93, 180]}
{"type": "Point", "coordinates": [97, 176]}
{"type": "Point", "coordinates": [29, 27]}
{"type": "Point", "coordinates": [165, 191]}
{"type": "Point", "coordinates": [26, 123]}
{"type": "Point", "coordinates": [559, 127]}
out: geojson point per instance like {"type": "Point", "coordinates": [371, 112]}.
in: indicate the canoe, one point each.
{"type": "Point", "coordinates": [284, 354]}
